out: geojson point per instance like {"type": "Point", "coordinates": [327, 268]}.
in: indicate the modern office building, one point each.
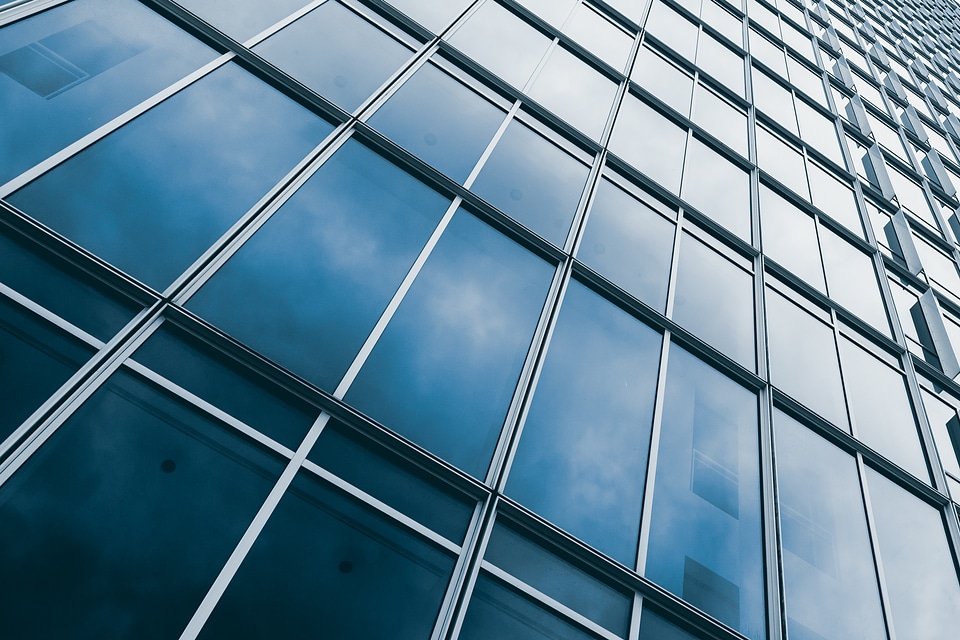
{"type": "Point", "coordinates": [480, 319]}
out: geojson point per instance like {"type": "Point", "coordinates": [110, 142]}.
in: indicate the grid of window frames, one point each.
{"type": "Point", "coordinates": [480, 319]}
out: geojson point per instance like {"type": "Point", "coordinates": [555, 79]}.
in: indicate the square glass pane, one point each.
{"type": "Point", "coordinates": [782, 161]}
{"type": "Point", "coordinates": [326, 558]}
{"type": "Point", "coordinates": [650, 142]}
{"type": "Point", "coordinates": [439, 120]}
{"type": "Point", "coordinates": [336, 53]}
{"type": "Point", "coordinates": [774, 100]}
{"type": "Point", "coordinates": [309, 286]}
{"type": "Point", "coordinates": [721, 63]}
{"type": "Point", "coordinates": [444, 370]}
{"type": "Point", "coordinates": [789, 237]}
{"type": "Point", "coordinates": [670, 28]}
{"type": "Point", "coordinates": [721, 119]}
{"type": "Point", "coordinates": [189, 169]}
{"type": "Point", "coordinates": [534, 181]}
{"type": "Point", "coordinates": [582, 454]}
{"type": "Point", "coordinates": [66, 71]}
{"type": "Point", "coordinates": [663, 79]}
{"type": "Point", "coordinates": [134, 484]}
{"type": "Point", "coordinates": [835, 198]}
{"type": "Point", "coordinates": [717, 188]}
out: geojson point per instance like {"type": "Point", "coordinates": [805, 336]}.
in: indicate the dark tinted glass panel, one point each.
{"type": "Point", "coordinates": [227, 384]}
{"type": "Point", "coordinates": [444, 370]}
{"type": "Point", "coordinates": [58, 286]}
{"type": "Point", "coordinates": [829, 575]}
{"type": "Point", "coordinates": [654, 627]}
{"type": "Point", "coordinates": [328, 561]}
{"type": "Point", "coordinates": [245, 19]}
{"type": "Point", "coordinates": [35, 359]}
{"type": "Point", "coordinates": [918, 567]}
{"type": "Point", "coordinates": [310, 285]}
{"type": "Point", "coordinates": [583, 450]}
{"type": "Point", "coordinates": [389, 479]}
{"type": "Point", "coordinates": [117, 526]}
{"type": "Point", "coordinates": [188, 168]}
{"type": "Point", "coordinates": [337, 53]}
{"type": "Point", "coordinates": [497, 612]}
{"type": "Point", "coordinates": [440, 120]}
{"type": "Point", "coordinates": [705, 543]}
{"type": "Point", "coordinates": [567, 584]}
{"type": "Point", "coordinates": [714, 299]}
{"type": "Point", "coordinates": [534, 181]}
{"type": "Point", "coordinates": [69, 70]}
{"type": "Point", "coordinates": [629, 243]}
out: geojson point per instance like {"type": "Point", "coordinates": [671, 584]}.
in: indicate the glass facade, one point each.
{"type": "Point", "coordinates": [521, 319]}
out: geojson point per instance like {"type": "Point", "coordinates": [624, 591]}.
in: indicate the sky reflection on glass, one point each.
{"type": "Point", "coordinates": [443, 372]}
{"type": "Point", "coordinates": [151, 197]}
{"type": "Point", "coordinates": [117, 527]}
{"type": "Point", "coordinates": [583, 450]}
{"type": "Point", "coordinates": [125, 51]}
{"type": "Point", "coordinates": [705, 535]}
{"type": "Point", "coordinates": [309, 286]}
{"type": "Point", "coordinates": [242, 20]}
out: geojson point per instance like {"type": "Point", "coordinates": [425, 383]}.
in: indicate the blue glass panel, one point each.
{"type": "Point", "coordinates": [337, 53]}
{"type": "Point", "coordinates": [35, 359]}
{"type": "Point", "coordinates": [829, 575]}
{"type": "Point", "coordinates": [649, 142]}
{"type": "Point", "coordinates": [431, 14]}
{"type": "Point", "coordinates": [655, 627]}
{"type": "Point", "coordinates": [309, 286]}
{"type": "Point", "coordinates": [628, 242]}
{"type": "Point", "coordinates": [154, 195]}
{"type": "Point", "coordinates": [534, 181]}
{"type": "Point", "coordinates": [439, 120]}
{"type": "Point", "coordinates": [717, 187]}
{"type": "Point", "coordinates": [244, 19]}
{"type": "Point", "coordinates": [705, 534]}
{"type": "Point", "coordinates": [335, 569]}
{"type": "Point", "coordinates": [66, 71]}
{"type": "Point", "coordinates": [119, 524]}
{"type": "Point", "coordinates": [444, 371]}
{"type": "Point", "coordinates": [582, 455]}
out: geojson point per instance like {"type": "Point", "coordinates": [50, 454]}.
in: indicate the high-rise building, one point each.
{"type": "Point", "coordinates": [480, 319]}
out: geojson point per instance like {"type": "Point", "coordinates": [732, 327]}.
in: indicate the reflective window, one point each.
{"type": "Point", "coordinates": [721, 63]}
{"type": "Point", "coordinates": [945, 425]}
{"type": "Point", "coordinates": [575, 91]}
{"type": "Point", "coordinates": [717, 188]}
{"type": "Point", "coordinates": [649, 142]}
{"type": "Point", "coordinates": [190, 168]}
{"type": "Point", "coordinates": [667, 26]}
{"type": "Point", "coordinates": [35, 359]}
{"type": "Point", "coordinates": [829, 575]}
{"type": "Point", "coordinates": [834, 198]}
{"type": "Point", "coordinates": [851, 279]}
{"type": "Point", "coordinates": [782, 161]}
{"type": "Point", "coordinates": [534, 181]}
{"type": "Point", "coordinates": [582, 455]}
{"type": "Point", "coordinates": [502, 42]}
{"type": "Point", "coordinates": [819, 132]}
{"type": "Point", "coordinates": [721, 119]}
{"type": "Point", "coordinates": [350, 234]}
{"type": "Point", "coordinates": [803, 358]}
{"type": "Point", "coordinates": [600, 36]}
{"type": "Point", "coordinates": [663, 79]}
{"type": "Point", "coordinates": [726, 23]}
{"type": "Point", "coordinates": [655, 627]}
{"type": "Point", "coordinates": [440, 120]}
{"type": "Point", "coordinates": [66, 71]}
{"type": "Point", "coordinates": [337, 53]}
{"type": "Point", "coordinates": [917, 564]}
{"type": "Point", "coordinates": [790, 237]}
{"type": "Point", "coordinates": [881, 409]}
{"type": "Point", "coordinates": [444, 371]}
{"type": "Point", "coordinates": [705, 543]}
{"type": "Point", "coordinates": [134, 484]}
{"type": "Point", "coordinates": [630, 243]}
{"type": "Point", "coordinates": [433, 15]}
{"type": "Point", "coordinates": [714, 300]}
{"type": "Point", "coordinates": [553, 11]}
{"type": "Point", "coordinates": [775, 101]}
{"type": "Point", "coordinates": [327, 558]}
{"type": "Point", "coordinates": [226, 384]}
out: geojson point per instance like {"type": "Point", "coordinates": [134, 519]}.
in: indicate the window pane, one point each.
{"type": "Point", "coordinates": [534, 181]}
{"type": "Point", "coordinates": [582, 454]}
{"type": "Point", "coordinates": [790, 237]}
{"type": "Point", "coordinates": [721, 63]}
{"type": "Point", "coordinates": [803, 358]}
{"type": "Point", "coordinates": [774, 101]}
{"type": "Point", "coordinates": [834, 198]}
{"type": "Point", "coordinates": [668, 27]}
{"type": "Point", "coordinates": [851, 280]}
{"type": "Point", "coordinates": [134, 484]}
{"type": "Point", "coordinates": [444, 371]}
{"type": "Point", "coordinates": [337, 53]}
{"type": "Point", "coordinates": [35, 359]}
{"type": "Point", "coordinates": [649, 142]}
{"type": "Point", "coordinates": [705, 531]}
{"type": "Point", "coordinates": [663, 79]}
{"type": "Point", "coordinates": [917, 564]}
{"type": "Point", "coordinates": [431, 14]}
{"type": "Point", "coordinates": [327, 559]}
{"type": "Point", "coordinates": [600, 36]}
{"type": "Point", "coordinates": [717, 188]}
{"type": "Point", "coordinates": [349, 235]}
{"type": "Point", "coordinates": [66, 71]}
{"type": "Point", "coordinates": [440, 120]}
{"type": "Point", "coordinates": [782, 161]}
{"type": "Point", "coordinates": [228, 129]}
{"type": "Point", "coordinates": [721, 119]}
{"type": "Point", "coordinates": [714, 300]}
{"type": "Point", "coordinates": [654, 627]}
{"type": "Point", "coordinates": [829, 575]}
{"type": "Point", "coordinates": [243, 20]}
{"type": "Point", "coordinates": [630, 243]}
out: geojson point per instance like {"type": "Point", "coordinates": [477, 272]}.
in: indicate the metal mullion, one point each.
{"type": "Point", "coordinates": [111, 126]}
{"type": "Point", "coordinates": [50, 317]}
{"type": "Point", "coordinates": [398, 517]}
{"type": "Point", "coordinates": [20, 9]}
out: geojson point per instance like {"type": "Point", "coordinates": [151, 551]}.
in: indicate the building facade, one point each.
{"type": "Point", "coordinates": [480, 319]}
